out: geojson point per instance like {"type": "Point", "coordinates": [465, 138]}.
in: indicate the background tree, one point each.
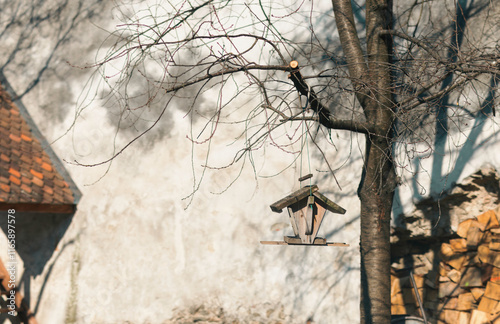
{"type": "Point", "coordinates": [389, 73]}
{"type": "Point", "coordinates": [26, 26]}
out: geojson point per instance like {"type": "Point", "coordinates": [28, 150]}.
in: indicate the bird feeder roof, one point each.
{"type": "Point", "coordinates": [302, 194]}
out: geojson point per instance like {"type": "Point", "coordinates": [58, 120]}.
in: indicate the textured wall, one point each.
{"type": "Point", "coordinates": [134, 254]}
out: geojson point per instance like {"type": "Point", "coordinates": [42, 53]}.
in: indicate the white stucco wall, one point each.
{"type": "Point", "coordinates": [134, 254]}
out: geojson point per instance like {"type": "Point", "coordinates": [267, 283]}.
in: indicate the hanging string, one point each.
{"type": "Point", "coordinates": [305, 142]}
{"type": "Point", "coordinates": [302, 138]}
{"type": "Point", "coordinates": [311, 205]}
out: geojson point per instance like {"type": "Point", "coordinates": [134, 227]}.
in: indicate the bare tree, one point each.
{"type": "Point", "coordinates": [399, 70]}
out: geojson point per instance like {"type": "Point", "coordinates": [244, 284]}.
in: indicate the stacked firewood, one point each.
{"type": "Point", "coordinates": [465, 286]}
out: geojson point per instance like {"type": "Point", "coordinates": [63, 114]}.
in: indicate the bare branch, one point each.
{"type": "Point", "coordinates": [225, 72]}
{"type": "Point", "coordinates": [446, 90]}
{"type": "Point", "coordinates": [325, 117]}
{"type": "Point", "coordinates": [340, 124]}
{"type": "Point", "coordinates": [414, 40]}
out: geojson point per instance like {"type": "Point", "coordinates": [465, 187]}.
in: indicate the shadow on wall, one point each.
{"type": "Point", "coordinates": [441, 179]}
{"type": "Point", "coordinates": [37, 237]}
{"type": "Point", "coordinates": [447, 256]}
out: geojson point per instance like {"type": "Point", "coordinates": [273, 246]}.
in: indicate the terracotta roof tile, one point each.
{"type": "Point", "coordinates": [67, 195]}
{"type": "Point", "coordinates": [57, 197]}
{"type": "Point", "coordinates": [36, 174]}
{"type": "Point", "coordinates": [14, 172]}
{"type": "Point", "coordinates": [13, 137]}
{"type": "Point", "coordinates": [48, 190]}
{"type": "Point", "coordinates": [4, 132]}
{"type": "Point", "coordinates": [3, 144]}
{"type": "Point", "coordinates": [24, 197]}
{"type": "Point", "coordinates": [26, 180]}
{"type": "Point", "coordinates": [26, 158]}
{"type": "Point", "coordinates": [15, 180]}
{"type": "Point", "coordinates": [37, 182]}
{"type": "Point", "coordinates": [29, 170]}
{"type": "Point", "coordinates": [61, 184]}
{"type": "Point", "coordinates": [46, 167]}
{"type": "Point", "coordinates": [47, 199]}
{"type": "Point", "coordinates": [49, 183]}
{"type": "Point", "coordinates": [26, 188]}
{"type": "Point", "coordinates": [5, 188]}
{"type": "Point", "coordinates": [25, 147]}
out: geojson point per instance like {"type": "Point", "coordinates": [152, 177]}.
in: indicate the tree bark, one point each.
{"type": "Point", "coordinates": [376, 189]}
{"type": "Point", "coordinates": [376, 193]}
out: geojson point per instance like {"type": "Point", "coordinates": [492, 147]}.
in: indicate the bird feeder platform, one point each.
{"type": "Point", "coordinates": [306, 209]}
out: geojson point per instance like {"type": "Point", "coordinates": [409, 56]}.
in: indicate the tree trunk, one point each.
{"type": "Point", "coordinates": [372, 80]}
{"type": "Point", "coordinates": [376, 194]}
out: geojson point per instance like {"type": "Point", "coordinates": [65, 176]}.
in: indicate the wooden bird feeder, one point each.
{"type": "Point", "coordinates": [306, 209]}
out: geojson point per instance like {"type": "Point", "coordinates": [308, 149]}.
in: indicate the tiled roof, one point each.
{"type": "Point", "coordinates": [31, 176]}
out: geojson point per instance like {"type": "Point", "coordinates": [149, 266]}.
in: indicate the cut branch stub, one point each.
{"type": "Point", "coordinates": [325, 117]}
{"type": "Point", "coordinates": [304, 89]}
{"type": "Point", "coordinates": [300, 84]}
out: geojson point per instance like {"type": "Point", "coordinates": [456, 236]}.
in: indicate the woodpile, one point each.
{"type": "Point", "coordinates": [204, 314]}
{"type": "Point", "coordinates": [463, 284]}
